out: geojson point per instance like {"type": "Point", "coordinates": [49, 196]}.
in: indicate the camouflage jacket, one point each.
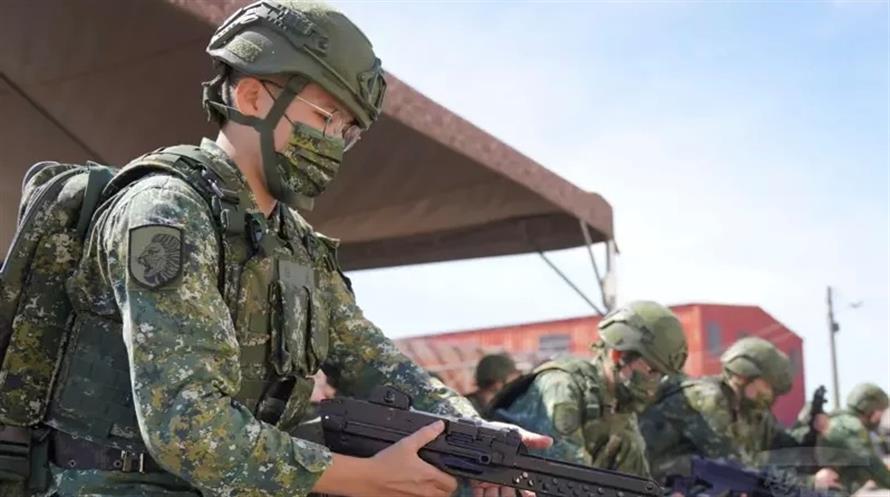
{"type": "Point", "coordinates": [847, 447]}
{"type": "Point", "coordinates": [569, 401]}
{"type": "Point", "coordinates": [183, 345]}
{"type": "Point", "coordinates": [478, 403]}
{"type": "Point", "coordinates": [698, 417]}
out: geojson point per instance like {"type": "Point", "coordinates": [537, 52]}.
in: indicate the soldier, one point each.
{"type": "Point", "coordinates": [492, 372]}
{"type": "Point", "coordinates": [205, 302]}
{"type": "Point", "coordinates": [590, 407]}
{"type": "Point", "coordinates": [847, 447]}
{"type": "Point", "coordinates": [725, 416]}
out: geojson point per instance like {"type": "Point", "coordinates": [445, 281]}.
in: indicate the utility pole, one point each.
{"type": "Point", "coordinates": [833, 328]}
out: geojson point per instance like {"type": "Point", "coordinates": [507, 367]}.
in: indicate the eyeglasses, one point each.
{"type": "Point", "coordinates": [335, 126]}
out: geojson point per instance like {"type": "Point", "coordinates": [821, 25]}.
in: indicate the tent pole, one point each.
{"type": "Point", "coordinates": [588, 242]}
{"type": "Point", "coordinates": [571, 284]}
{"type": "Point", "coordinates": [52, 119]}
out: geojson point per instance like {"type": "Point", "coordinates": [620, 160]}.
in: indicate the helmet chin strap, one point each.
{"type": "Point", "coordinates": [266, 129]}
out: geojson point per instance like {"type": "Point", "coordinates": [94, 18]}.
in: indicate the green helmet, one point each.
{"type": "Point", "coordinates": [494, 368]}
{"type": "Point", "coordinates": [867, 398]}
{"type": "Point", "coordinates": [308, 39]}
{"type": "Point", "coordinates": [649, 329]}
{"type": "Point", "coordinates": [754, 357]}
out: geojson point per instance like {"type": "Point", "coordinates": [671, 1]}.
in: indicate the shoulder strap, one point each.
{"type": "Point", "coordinates": [195, 167]}
{"type": "Point", "coordinates": [519, 386]}
{"type": "Point", "coordinates": [98, 178]}
{"type": "Point", "coordinates": [512, 391]}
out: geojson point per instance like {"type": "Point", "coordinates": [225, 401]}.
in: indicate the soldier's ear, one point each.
{"type": "Point", "coordinates": [248, 96]}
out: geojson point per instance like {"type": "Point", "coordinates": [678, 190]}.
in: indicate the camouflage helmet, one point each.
{"type": "Point", "coordinates": [494, 368]}
{"type": "Point", "coordinates": [754, 357]}
{"type": "Point", "coordinates": [867, 398]}
{"type": "Point", "coordinates": [308, 39]}
{"type": "Point", "coordinates": [649, 329]}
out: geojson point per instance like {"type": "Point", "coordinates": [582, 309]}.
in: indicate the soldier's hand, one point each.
{"type": "Point", "coordinates": [821, 423]}
{"type": "Point", "coordinates": [402, 473]}
{"type": "Point", "coordinates": [530, 439]}
{"type": "Point", "coordinates": [826, 478]}
{"type": "Point", "coordinates": [484, 489]}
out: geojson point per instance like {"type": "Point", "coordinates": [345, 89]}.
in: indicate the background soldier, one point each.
{"type": "Point", "coordinates": [847, 446]}
{"type": "Point", "coordinates": [724, 416]}
{"type": "Point", "coordinates": [590, 407]}
{"type": "Point", "coordinates": [204, 302]}
{"type": "Point", "coordinates": [492, 372]}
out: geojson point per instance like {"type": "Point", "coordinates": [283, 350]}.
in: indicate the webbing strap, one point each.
{"type": "Point", "coordinates": [97, 177]}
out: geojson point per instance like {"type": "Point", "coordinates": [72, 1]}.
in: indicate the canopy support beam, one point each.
{"type": "Point", "coordinates": [571, 284]}
{"type": "Point", "coordinates": [51, 118]}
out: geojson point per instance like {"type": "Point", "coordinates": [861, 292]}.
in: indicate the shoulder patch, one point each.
{"type": "Point", "coordinates": [155, 255]}
{"type": "Point", "coordinates": [566, 417]}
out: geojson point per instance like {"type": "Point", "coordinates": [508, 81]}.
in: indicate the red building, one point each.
{"type": "Point", "coordinates": [710, 329]}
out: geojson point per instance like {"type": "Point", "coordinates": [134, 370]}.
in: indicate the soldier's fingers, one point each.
{"type": "Point", "coordinates": [530, 439]}
{"type": "Point", "coordinates": [423, 436]}
{"type": "Point", "coordinates": [478, 492]}
{"type": "Point", "coordinates": [440, 480]}
{"type": "Point", "coordinates": [507, 492]}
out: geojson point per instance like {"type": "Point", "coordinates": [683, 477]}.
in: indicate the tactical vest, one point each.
{"type": "Point", "coordinates": [269, 284]}
{"type": "Point", "coordinates": [584, 373]}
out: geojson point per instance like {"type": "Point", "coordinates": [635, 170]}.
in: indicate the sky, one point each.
{"type": "Point", "coordinates": [744, 148]}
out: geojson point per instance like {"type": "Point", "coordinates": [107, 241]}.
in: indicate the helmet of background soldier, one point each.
{"type": "Point", "coordinates": [649, 329]}
{"type": "Point", "coordinates": [494, 368]}
{"type": "Point", "coordinates": [309, 39]}
{"type": "Point", "coordinates": [867, 398]}
{"type": "Point", "coordinates": [754, 357]}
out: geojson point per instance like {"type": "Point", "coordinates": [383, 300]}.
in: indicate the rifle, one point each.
{"type": "Point", "coordinates": [817, 406]}
{"type": "Point", "coordinates": [717, 478]}
{"type": "Point", "coordinates": [468, 448]}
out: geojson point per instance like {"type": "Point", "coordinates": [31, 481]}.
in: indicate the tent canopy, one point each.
{"type": "Point", "coordinates": [107, 81]}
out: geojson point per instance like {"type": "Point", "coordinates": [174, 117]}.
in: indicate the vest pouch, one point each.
{"type": "Point", "coordinates": [93, 396]}
{"type": "Point", "coordinates": [255, 315]}
{"type": "Point", "coordinates": [291, 296]}
{"type": "Point", "coordinates": [319, 332]}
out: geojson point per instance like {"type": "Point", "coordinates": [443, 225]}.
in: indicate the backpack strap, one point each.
{"type": "Point", "coordinates": [578, 369]}
{"type": "Point", "coordinates": [97, 178]}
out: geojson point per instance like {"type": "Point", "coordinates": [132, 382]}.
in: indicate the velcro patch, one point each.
{"type": "Point", "coordinates": [245, 49]}
{"type": "Point", "coordinates": [155, 255]}
{"type": "Point", "coordinates": [566, 417]}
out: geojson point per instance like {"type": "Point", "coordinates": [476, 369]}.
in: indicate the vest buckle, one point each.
{"type": "Point", "coordinates": [132, 461]}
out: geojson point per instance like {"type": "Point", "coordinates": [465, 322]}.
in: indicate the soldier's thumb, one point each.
{"type": "Point", "coordinates": [424, 435]}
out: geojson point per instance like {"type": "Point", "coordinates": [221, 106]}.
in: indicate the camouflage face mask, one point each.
{"type": "Point", "coordinates": [309, 161]}
{"type": "Point", "coordinates": [763, 401]}
{"type": "Point", "coordinates": [635, 392]}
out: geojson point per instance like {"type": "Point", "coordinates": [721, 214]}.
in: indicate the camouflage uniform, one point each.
{"type": "Point", "coordinates": [698, 417]}
{"type": "Point", "coordinates": [200, 321]}
{"type": "Point", "coordinates": [187, 354]}
{"type": "Point", "coordinates": [848, 448]}
{"type": "Point", "coordinates": [569, 399]}
{"type": "Point", "coordinates": [477, 402]}
{"type": "Point", "coordinates": [705, 417]}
